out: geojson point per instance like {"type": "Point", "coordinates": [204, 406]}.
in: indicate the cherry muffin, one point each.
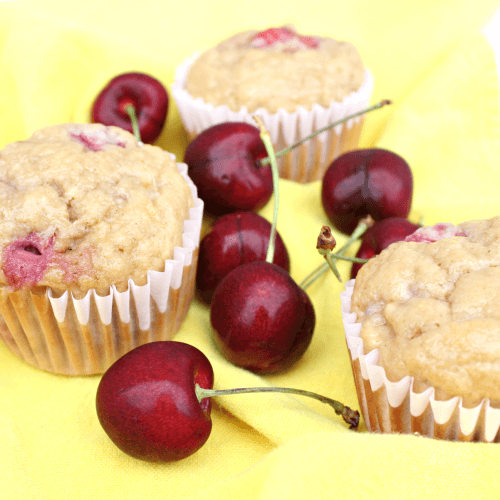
{"type": "Point", "coordinates": [296, 83]}
{"type": "Point", "coordinates": [422, 323]}
{"type": "Point", "coordinates": [99, 237]}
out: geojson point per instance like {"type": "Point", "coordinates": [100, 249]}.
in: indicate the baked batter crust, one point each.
{"type": "Point", "coordinates": [85, 206]}
{"type": "Point", "coordinates": [240, 72]}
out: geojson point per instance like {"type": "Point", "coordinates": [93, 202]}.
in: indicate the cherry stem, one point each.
{"type": "Point", "coordinates": [130, 109]}
{"type": "Point", "coordinates": [266, 139]}
{"type": "Point", "coordinates": [361, 228]}
{"type": "Point", "coordinates": [363, 225]}
{"type": "Point", "coordinates": [266, 161]}
{"type": "Point", "coordinates": [350, 416]}
{"type": "Point", "coordinates": [327, 254]}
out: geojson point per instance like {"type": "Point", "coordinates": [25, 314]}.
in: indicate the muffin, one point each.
{"type": "Point", "coordinates": [422, 322]}
{"type": "Point", "coordinates": [99, 237]}
{"type": "Point", "coordinates": [297, 84]}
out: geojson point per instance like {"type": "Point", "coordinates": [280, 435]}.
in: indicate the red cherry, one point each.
{"type": "Point", "coordinates": [154, 402]}
{"type": "Point", "coordinates": [145, 93]}
{"type": "Point", "coordinates": [223, 162]}
{"type": "Point", "coordinates": [147, 404]}
{"type": "Point", "coordinates": [235, 239]}
{"type": "Point", "coordinates": [380, 236]}
{"type": "Point", "coordinates": [262, 320]}
{"type": "Point", "coordinates": [364, 182]}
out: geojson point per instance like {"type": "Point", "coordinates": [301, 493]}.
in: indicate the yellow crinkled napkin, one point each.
{"type": "Point", "coordinates": [428, 58]}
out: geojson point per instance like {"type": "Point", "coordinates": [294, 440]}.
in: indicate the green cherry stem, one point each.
{"type": "Point", "coordinates": [361, 228]}
{"type": "Point", "coordinates": [313, 276]}
{"type": "Point", "coordinates": [331, 262]}
{"type": "Point", "coordinates": [350, 416]}
{"type": "Point", "coordinates": [266, 139]}
{"type": "Point", "coordinates": [266, 161]}
{"type": "Point", "coordinates": [130, 109]}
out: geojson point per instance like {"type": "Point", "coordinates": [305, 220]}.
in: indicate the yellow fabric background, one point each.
{"type": "Point", "coordinates": [430, 59]}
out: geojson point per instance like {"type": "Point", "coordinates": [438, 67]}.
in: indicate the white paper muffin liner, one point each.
{"type": "Point", "coordinates": [305, 163]}
{"type": "Point", "coordinates": [394, 407]}
{"type": "Point", "coordinates": [85, 336]}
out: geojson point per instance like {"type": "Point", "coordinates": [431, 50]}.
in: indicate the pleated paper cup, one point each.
{"type": "Point", "coordinates": [394, 407]}
{"type": "Point", "coordinates": [66, 335]}
{"type": "Point", "coordinates": [305, 163]}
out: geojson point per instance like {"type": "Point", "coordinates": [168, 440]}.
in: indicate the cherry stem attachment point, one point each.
{"type": "Point", "coordinates": [324, 250]}
{"type": "Point", "coordinates": [361, 228]}
{"type": "Point", "coordinates": [326, 243]}
{"type": "Point", "coordinates": [384, 102]}
{"type": "Point", "coordinates": [350, 416]}
{"type": "Point", "coordinates": [266, 139]}
{"type": "Point", "coordinates": [130, 109]}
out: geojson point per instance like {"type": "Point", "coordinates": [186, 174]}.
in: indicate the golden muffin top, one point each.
{"type": "Point", "coordinates": [276, 68]}
{"type": "Point", "coordinates": [86, 206]}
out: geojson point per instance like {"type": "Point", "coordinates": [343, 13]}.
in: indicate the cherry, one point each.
{"type": "Point", "coordinates": [363, 182]}
{"type": "Point", "coordinates": [147, 405]}
{"type": "Point", "coordinates": [262, 320]}
{"type": "Point", "coordinates": [228, 164]}
{"type": "Point", "coordinates": [154, 404]}
{"type": "Point", "coordinates": [132, 95]}
{"type": "Point", "coordinates": [235, 239]}
{"type": "Point", "coordinates": [380, 236]}
{"type": "Point", "coordinates": [223, 162]}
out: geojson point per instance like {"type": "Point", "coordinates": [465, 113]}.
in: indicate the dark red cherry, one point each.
{"type": "Point", "coordinates": [155, 402]}
{"type": "Point", "coordinates": [262, 320]}
{"type": "Point", "coordinates": [235, 239]}
{"type": "Point", "coordinates": [224, 164]}
{"type": "Point", "coordinates": [147, 404]}
{"type": "Point", "coordinates": [148, 96]}
{"type": "Point", "coordinates": [364, 182]}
